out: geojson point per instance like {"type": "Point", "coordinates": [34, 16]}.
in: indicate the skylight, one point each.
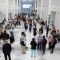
{"type": "Point", "coordinates": [26, 5]}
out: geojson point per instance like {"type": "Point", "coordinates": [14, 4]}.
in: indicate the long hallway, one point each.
{"type": "Point", "coordinates": [42, 16]}
{"type": "Point", "coordinates": [16, 53]}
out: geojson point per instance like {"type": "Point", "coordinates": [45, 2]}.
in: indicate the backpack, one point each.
{"type": "Point", "coordinates": [22, 42]}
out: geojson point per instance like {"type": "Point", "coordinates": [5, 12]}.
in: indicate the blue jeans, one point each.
{"type": "Point", "coordinates": [33, 52]}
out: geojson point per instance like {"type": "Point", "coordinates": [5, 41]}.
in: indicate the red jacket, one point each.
{"type": "Point", "coordinates": [52, 43]}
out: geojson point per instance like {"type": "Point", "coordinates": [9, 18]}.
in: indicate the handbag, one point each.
{"type": "Point", "coordinates": [21, 42]}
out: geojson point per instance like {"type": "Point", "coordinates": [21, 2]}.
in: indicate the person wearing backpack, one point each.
{"type": "Point", "coordinates": [53, 43]}
{"type": "Point", "coordinates": [23, 42]}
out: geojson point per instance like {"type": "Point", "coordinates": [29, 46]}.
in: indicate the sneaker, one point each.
{"type": "Point", "coordinates": [51, 52]}
{"type": "Point", "coordinates": [42, 53]}
{"type": "Point", "coordinates": [24, 53]}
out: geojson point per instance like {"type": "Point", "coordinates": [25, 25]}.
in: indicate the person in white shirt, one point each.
{"type": "Point", "coordinates": [24, 43]}
{"type": "Point", "coordinates": [39, 38]}
{"type": "Point", "coordinates": [50, 39]}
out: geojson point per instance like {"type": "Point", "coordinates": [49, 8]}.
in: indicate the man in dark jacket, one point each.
{"type": "Point", "coordinates": [5, 36]}
{"type": "Point", "coordinates": [6, 50]}
{"type": "Point", "coordinates": [44, 42]}
{"type": "Point", "coordinates": [47, 30]}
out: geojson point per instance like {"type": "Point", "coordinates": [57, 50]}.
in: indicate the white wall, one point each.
{"type": "Point", "coordinates": [0, 16]}
{"type": "Point", "coordinates": [44, 15]}
{"type": "Point", "coordinates": [11, 8]}
{"type": "Point", "coordinates": [55, 2]}
{"type": "Point", "coordinates": [45, 3]}
{"type": "Point", "coordinates": [57, 20]}
{"type": "Point", "coordinates": [52, 17]}
{"type": "Point", "coordinates": [38, 7]}
{"type": "Point", "coordinates": [56, 8]}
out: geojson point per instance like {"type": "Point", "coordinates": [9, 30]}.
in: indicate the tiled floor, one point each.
{"type": "Point", "coordinates": [16, 53]}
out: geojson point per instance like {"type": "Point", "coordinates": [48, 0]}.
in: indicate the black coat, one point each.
{"type": "Point", "coordinates": [33, 44]}
{"type": "Point", "coordinates": [12, 39]}
{"type": "Point", "coordinates": [41, 30]}
{"type": "Point", "coordinates": [44, 42]}
{"type": "Point", "coordinates": [34, 31]}
{"type": "Point", "coordinates": [5, 36]}
{"type": "Point", "coordinates": [47, 29]}
{"type": "Point", "coordinates": [0, 36]}
{"type": "Point", "coordinates": [6, 48]}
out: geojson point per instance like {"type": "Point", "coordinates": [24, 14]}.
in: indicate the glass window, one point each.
{"type": "Point", "coordinates": [26, 5]}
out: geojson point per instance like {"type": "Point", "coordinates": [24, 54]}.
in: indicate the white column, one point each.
{"type": "Point", "coordinates": [35, 4]}
{"type": "Point", "coordinates": [37, 7]}
{"type": "Point", "coordinates": [17, 7]}
{"type": "Point", "coordinates": [49, 11]}
{"type": "Point", "coordinates": [13, 9]}
{"type": "Point", "coordinates": [41, 11]}
{"type": "Point", "coordinates": [7, 10]}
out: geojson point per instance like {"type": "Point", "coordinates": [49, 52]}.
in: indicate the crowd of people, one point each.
{"type": "Point", "coordinates": [51, 38]}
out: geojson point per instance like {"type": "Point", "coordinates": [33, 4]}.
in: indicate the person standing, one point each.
{"type": "Point", "coordinates": [53, 43]}
{"type": "Point", "coordinates": [41, 30]}
{"type": "Point", "coordinates": [34, 23]}
{"type": "Point", "coordinates": [26, 25]}
{"type": "Point", "coordinates": [1, 32]}
{"type": "Point", "coordinates": [12, 37]}
{"type": "Point", "coordinates": [54, 29]}
{"type": "Point", "coordinates": [52, 24]}
{"type": "Point", "coordinates": [24, 45]}
{"type": "Point", "coordinates": [44, 42]}
{"type": "Point", "coordinates": [34, 31]}
{"type": "Point", "coordinates": [0, 36]}
{"type": "Point", "coordinates": [7, 50]}
{"type": "Point", "coordinates": [23, 42]}
{"type": "Point", "coordinates": [39, 42]}
{"type": "Point", "coordinates": [50, 39]}
{"type": "Point", "coordinates": [30, 25]}
{"type": "Point", "coordinates": [47, 30]}
{"type": "Point", "coordinates": [33, 47]}
{"type": "Point", "coordinates": [5, 36]}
